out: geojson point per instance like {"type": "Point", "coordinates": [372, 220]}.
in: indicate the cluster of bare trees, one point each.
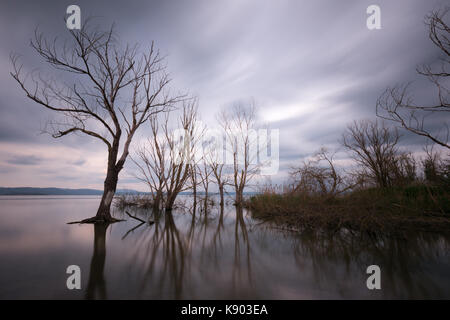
{"type": "Point", "coordinates": [108, 92]}
{"type": "Point", "coordinates": [379, 161]}
{"type": "Point", "coordinates": [170, 163]}
{"type": "Point", "coordinates": [163, 165]}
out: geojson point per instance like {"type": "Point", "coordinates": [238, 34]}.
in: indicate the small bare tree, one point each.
{"type": "Point", "coordinates": [396, 104]}
{"type": "Point", "coordinates": [213, 160]}
{"type": "Point", "coordinates": [318, 176]}
{"type": "Point", "coordinates": [239, 125]}
{"type": "Point", "coordinates": [165, 161]}
{"type": "Point", "coordinates": [374, 147]}
{"type": "Point", "coordinates": [204, 172]}
{"type": "Point", "coordinates": [113, 92]}
{"type": "Point", "coordinates": [436, 168]}
{"type": "Point", "coordinates": [221, 179]}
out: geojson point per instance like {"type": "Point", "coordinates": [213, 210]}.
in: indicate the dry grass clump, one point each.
{"type": "Point", "coordinates": [133, 200]}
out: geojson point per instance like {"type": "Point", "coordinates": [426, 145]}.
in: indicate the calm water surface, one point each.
{"type": "Point", "coordinates": [222, 255]}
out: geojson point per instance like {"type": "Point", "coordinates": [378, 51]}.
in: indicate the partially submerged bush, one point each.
{"type": "Point", "coordinates": [123, 201]}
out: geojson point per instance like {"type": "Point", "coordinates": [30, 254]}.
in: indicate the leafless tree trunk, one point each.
{"type": "Point", "coordinates": [113, 92]}
{"type": "Point", "coordinates": [396, 103]}
{"type": "Point", "coordinates": [194, 184]}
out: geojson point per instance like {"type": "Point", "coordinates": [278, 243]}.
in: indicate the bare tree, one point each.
{"type": "Point", "coordinates": [319, 176]}
{"type": "Point", "coordinates": [204, 172]}
{"type": "Point", "coordinates": [150, 160]}
{"type": "Point", "coordinates": [113, 92]}
{"type": "Point", "coordinates": [396, 104]}
{"type": "Point", "coordinates": [165, 161]}
{"type": "Point", "coordinates": [374, 147]}
{"type": "Point", "coordinates": [239, 125]}
{"type": "Point", "coordinates": [221, 179]}
{"type": "Point", "coordinates": [214, 164]}
{"type": "Point", "coordinates": [436, 169]}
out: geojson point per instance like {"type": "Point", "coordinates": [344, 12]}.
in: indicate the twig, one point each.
{"type": "Point", "coordinates": [134, 217]}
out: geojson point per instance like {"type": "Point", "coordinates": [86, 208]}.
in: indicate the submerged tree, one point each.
{"type": "Point", "coordinates": [113, 91]}
{"type": "Point", "coordinates": [165, 161]}
{"type": "Point", "coordinates": [217, 166]}
{"type": "Point", "coordinates": [239, 126]}
{"type": "Point", "coordinates": [396, 103]}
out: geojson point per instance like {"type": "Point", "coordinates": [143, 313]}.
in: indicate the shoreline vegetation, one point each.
{"type": "Point", "coordinates": [388, 189]}
{"type": "Point", "coordinates": [417, 207]}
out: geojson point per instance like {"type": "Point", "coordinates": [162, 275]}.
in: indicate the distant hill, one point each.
{"type": "Point", "coordinates": [29, 191]}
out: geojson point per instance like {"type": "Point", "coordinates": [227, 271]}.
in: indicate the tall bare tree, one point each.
{"type": "Point", "coordinates": [396, 103]}
{"type": "Point", "coordinates": [113, 91]}
{"type": "Point", "coordinates": [239, 125]}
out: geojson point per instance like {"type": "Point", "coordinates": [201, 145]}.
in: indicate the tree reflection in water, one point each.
{"type": "Point", "coordinates": [223, 253]}
{"type": "Point", "coordinates": [168, 253]}
{"type": "Point", "coordinates": [96, 288]}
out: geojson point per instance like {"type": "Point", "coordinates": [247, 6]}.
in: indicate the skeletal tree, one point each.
{"type": "Point", "coordinates": [239, 124]}
{"type": "Point", "coordinates": [374, 147]}
{"type": "Point", "coordinates": [213, 157]}
{"type": "Point", "coordinates": [204, 172]}
{"type": "Point", "coordinates": [150, 160]}
{"type": "Point", "coordinates": [165, 160]}
{"type": "Point", "coordinates": [221, 179]}
{"type": "Point", "coordinates": [396, 103]}
{"type": "Point", "coordinates": [112, 92]}
{"type": "Point", "coordinates": [319, 175]}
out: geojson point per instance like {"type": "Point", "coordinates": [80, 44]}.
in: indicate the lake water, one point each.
{"type": "Point", "coordinates": [222, 255]}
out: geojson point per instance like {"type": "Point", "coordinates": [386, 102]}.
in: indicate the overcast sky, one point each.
{"type": "Point", "coordinates": [311, 67]}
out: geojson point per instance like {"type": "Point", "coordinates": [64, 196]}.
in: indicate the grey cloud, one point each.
{"type": "Point", "coordinates": [79, 162]}
{"type": "Point", "coordinates": [26, 160]}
